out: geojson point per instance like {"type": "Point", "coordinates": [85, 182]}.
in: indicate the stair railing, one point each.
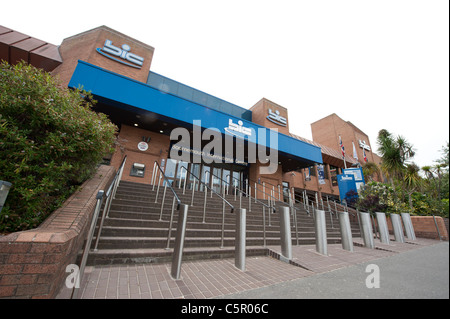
{"type": "Point", "coordinates": [98, 206]}
{"type": "Point", "coordinates": [177, 256]}
{"type": "Point", "coordinates": [110, 195]}
{"type": "Point", "coordinates": [224, 201]}
{"type": "Point", "coordinates": [264, 205]}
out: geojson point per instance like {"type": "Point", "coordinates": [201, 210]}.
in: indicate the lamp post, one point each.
{"type": "Point", "coordinates": [4, 190]}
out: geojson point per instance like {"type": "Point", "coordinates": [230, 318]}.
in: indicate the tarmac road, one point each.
{"type": "Point", "coordinates": [417, 274]}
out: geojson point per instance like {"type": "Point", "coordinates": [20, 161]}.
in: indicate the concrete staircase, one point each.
{"type": "Point", "coordinates": [134, 233]}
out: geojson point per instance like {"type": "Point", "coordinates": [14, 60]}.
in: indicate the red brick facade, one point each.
{"type": "Point", "coordinates": [33, 262]}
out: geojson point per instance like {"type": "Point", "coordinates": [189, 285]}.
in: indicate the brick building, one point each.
{"type": "Point", "coordinates": [148, 107]}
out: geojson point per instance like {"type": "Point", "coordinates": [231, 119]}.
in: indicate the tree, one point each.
{"type": "Point", "coordinates": [370, 169]}
{"type": "Point", "coordinates": [395, 152]}
{"type": "Point", "coordinates": [50, 142]}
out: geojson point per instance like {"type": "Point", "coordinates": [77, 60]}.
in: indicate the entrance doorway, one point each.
{"type": "Point", "coordinates": [221, 177]}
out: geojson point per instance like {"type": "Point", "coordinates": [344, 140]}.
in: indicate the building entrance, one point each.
{"type": "Point", "coordinates": [221, 177]}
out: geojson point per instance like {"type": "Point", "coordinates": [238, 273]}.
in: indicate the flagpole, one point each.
{"type": "Point", "coordinates": [341, 145]}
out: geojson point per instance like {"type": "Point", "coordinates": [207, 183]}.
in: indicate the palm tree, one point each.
{"type": "Point", "coordinates": [411, 180]}
{"type": "Point", "coordinates": [395, 152]}
{"type": "Point", "coordinates": [369, 169]}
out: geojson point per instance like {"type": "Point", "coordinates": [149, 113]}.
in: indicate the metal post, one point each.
{"type": "Point", "coordinates": [239, 259]}
{"type": "Point", "coordinates": [169, 234]}
{"type": "Point", "coordinates": [223, 224]}
{"type": "Point", "coordinates": [249, 198]}
{"type": "Point", "coordinates": [397, 228]}
{"type": "Point", "coordinates": [409, 229]}
{"type": "Point", "coordinates": [346, 231]}
{"type": "Point", "coordinates": [383, 228]}
{"type": "Point", "coordinates": [367, 230]}
{"type": "Point", "coordinates": [437, 228]}
{"type": "Point", "coordinates": [204, 204]}
{"type": "Point", "coordinates": [179, 242]}
{"type": "Point", "coordinates": [162, 202]}
{"type": "Point", "coordinates": [84, 257]}
{"type": "Point", "coordinates": [193, 191]}
{"type": "Point", "coordinates": [321, 232]}
{"type": "Point", "coordinates": [285, 233]}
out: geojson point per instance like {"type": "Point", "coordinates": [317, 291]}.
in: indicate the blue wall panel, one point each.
{"type": "Point", "coordinates": [122, 90]}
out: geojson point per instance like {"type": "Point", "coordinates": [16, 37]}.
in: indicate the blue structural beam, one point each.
{"type": "Point", "coordinates": [120, 90]}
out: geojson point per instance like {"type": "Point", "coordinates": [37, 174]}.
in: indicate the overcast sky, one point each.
{"type": "Point", "coordinates": [378, 64]}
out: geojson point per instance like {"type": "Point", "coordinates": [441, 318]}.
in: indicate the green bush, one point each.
{"type": "Point", "coordinates": [50, 142]}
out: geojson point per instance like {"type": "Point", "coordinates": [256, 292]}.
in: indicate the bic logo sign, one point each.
{"type": "Point", "coordinates": [125, 56]}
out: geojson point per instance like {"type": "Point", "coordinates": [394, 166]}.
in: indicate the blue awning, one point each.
{"type": "Point", "coordinates": [120, 90]}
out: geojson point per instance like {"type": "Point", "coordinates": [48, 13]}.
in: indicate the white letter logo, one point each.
{"type": "Point", "coordinates": [373, 280]}
{"type": "Point", "coordinates": [238, 129]}
{"type": "Point", "coordinates": [122, 53]}
{"type": "Point", "coordinates": [276, 118]}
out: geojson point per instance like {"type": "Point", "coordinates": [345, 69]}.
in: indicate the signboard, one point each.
{"type": "Point", "coordinates": [121, 55]}
{"type": "Point", "coordinates": [143, 146]}
{"type": "Point", "coordinates": [321, 174]}
{"type": "Point", "coordinates": [358, 175]}
{"type": "Point", "coordinates": [275, 117]}
{"type": "Point", "coordinates": [346, 183]}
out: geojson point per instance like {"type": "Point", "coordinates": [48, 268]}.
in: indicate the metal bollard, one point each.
{"type": "Point", "coordinates": [383, 228]}
{"type": "Point", "coordinates": [285, 233]}
{"type": "Point", "coordinates": [321, 232]}
{"type": "Point", "coordinates": [346, 231]}
{"type": "Point", "coordinates": [239, 259]}
{"type": "Point", "coordinates": [367, 231]}
{"type": "Point", "coordinates": [179, 242]}
{"type": "Point", "coordinates": [397, 227]}
{"type": "Point", "coordinates": [409, 229]}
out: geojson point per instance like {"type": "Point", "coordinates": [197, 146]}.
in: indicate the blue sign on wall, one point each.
{"type": "Point", "coordinates": [346, 183]}
{"type": "Point", "coordinates": [358, 174]}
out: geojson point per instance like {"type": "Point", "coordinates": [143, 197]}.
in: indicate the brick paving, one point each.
{"type": "Point", "coordinates": [214, 278]}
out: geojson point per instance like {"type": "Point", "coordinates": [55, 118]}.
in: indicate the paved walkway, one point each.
{"type": "Point", "coordinates": [219, 278]}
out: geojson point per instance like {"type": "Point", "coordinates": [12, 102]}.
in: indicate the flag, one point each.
{"type": "Point", "coordinates": [364, 153]}
{"type": "Point", "coordinates": [342, 146]}
{"type": "Point", "coordinates": [355, 155]}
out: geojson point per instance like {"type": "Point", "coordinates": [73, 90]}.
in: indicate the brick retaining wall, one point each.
{"type": "Point", "coordinates": [33, 262]}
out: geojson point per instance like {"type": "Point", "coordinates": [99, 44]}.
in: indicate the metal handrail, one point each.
{"type": "Point", "coordinates": [110, 194]}
{"type": "Point", "coordinates": [256, 200]}
{"type": "Point", "coordinates": [224, 201]}
{"type": "Point", "coordinates": [166, 183]}
{"type": "Point", "coordinates": [227, 202]}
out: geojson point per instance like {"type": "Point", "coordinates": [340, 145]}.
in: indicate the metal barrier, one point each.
{"type": "Point", "coordinates": [240, 242]}
{"type": "Point", "coordinates": [367, 231]}
{"type": "Point", "coordinates": [346, 231]}
{"type": "Point", "coordinates": [285, 233]}
{"type": "Point", "coordinates": [409, 229]}
{"type": "Point", "coordinates": [397, 228]}
{"type": "Point", "coordinates": [383, 228]}
{"type": "Point", "coordinates": [321, 232]}
{"type": "Point", "coordinates": [177, 256]}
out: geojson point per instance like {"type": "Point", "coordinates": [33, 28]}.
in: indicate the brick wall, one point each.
{"type": "Point", "coordinates": [33, 262]}
{"type": "Point", "coordinates": [424, 227]}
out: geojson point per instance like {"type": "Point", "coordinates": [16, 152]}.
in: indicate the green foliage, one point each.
{"type": "Point", "coordinates": [380, 197]}
{"type": "Point", "coordinates": [50, 142]}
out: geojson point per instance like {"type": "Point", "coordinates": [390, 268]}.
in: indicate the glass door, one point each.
{"type": "Point", "coordinates": [216, 182]}
{"type": "Point", "coordinates": [170, 170]}
{"type": "Point", "coordinates": [206, 176]}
